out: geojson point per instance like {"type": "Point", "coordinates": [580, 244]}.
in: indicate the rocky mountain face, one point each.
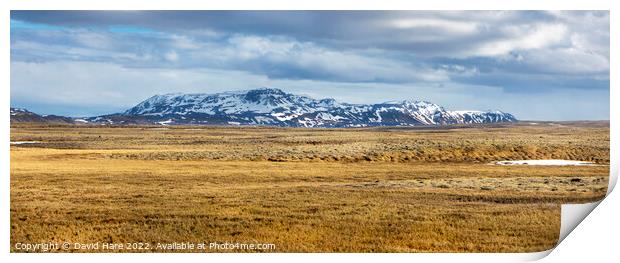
{"type": "Point", "coordinates": [267, 106]}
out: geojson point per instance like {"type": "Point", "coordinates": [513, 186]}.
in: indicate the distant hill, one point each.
{"type": "Point", "coordinates": [23, 115]}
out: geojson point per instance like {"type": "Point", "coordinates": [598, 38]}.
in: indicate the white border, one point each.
{"type": "Point", "coordinates": [310, 5]}
{"type": "Point", "coordinates": [286, 5]}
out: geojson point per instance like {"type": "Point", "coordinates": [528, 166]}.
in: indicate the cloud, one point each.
{"type": "Point", "coordinates": [101, 88]}
{"type": "Point", "coordinates": [455, 27]}
{"type": "Point", "coordinates": [403, 30]}
{"type": "Point", "coordinates": [65, 82]}
{"type": "Point", "coordinates": [568, 61]}
{"type": "Point", "coordinates": [184, 42]}
{"type": "Point", "coordinates": [281, 58]}
{"type": "Point", "coordinates": [93, 40]}
{"type": "Point", "coordinates": [172, 56]}
{"type": "Point", "coordinates": [450, 34]}
{"type": "Point", "coordinates": [275, 57]}
{"type": "Point", "coordinates": [524, 37]}
{"type": "Point", "coordinates": [505, 57]}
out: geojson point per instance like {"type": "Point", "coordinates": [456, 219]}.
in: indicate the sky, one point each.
{"type": "Point", "coordinates": [537, 65]}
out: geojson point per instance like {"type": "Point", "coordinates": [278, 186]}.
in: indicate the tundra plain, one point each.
{"type": "Point", "coordinates": [428, 189]}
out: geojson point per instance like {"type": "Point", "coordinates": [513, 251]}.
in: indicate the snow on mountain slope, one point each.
{"type": "Point", "coordinates": [255, 101]}
{"type": "Point", "coordinates": [268, 106]}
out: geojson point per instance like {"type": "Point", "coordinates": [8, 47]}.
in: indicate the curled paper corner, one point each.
{"type": "Point", "coordinates": [573, 214]}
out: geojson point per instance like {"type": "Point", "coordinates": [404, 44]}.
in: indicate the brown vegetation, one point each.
{"type": "Point", "coordinates": [315, 190]}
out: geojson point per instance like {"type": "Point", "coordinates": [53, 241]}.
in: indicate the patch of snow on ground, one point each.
{"type": "Point", "coordinates": [24, 142]}
{"type": "Point", "coordinates": [544, 162]}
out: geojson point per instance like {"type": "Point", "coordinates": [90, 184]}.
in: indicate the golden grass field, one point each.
{"type": "Point", "coordinates": [304, 190]}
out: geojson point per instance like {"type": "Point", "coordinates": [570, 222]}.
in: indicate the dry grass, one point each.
{"type": "Point", "coordinates": [318, 190]}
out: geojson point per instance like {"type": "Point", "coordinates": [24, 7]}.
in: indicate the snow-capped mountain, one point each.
{"type": "Point", "coordinates": [268, 106]}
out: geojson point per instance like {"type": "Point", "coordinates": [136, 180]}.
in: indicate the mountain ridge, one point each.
{"type": "Point", "coordinates": [274, 107]}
